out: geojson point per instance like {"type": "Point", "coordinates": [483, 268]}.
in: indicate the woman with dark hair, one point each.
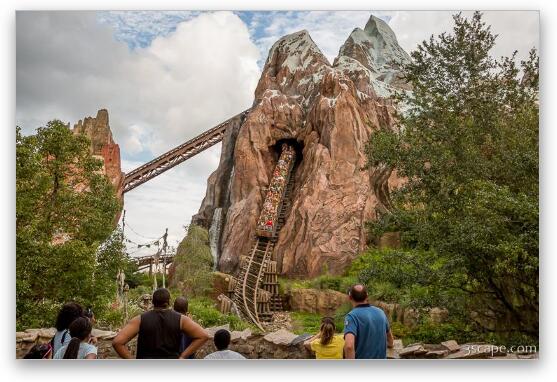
{"type": "Point", "coordinates": [326, 344]}
{"type": "Point", "coordinates": [79, 346]}
{"type": "Point", "coordinates": [69, 312]}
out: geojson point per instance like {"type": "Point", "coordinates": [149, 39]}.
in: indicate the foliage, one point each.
{"type": "Point", "coordinates": [428, 332]}
{"type": "Point", "coordinates": [42, 313]}
{"type": "Point", "coordinates": [204, 312]}
{"type": "Point", "coordinates": [309, 323]}
{"type": "Point", "coordinates": [411, 278]}
{"type": "Point", "coordinates": [194, 263]}
{"type": "Point", "coordinates": [201, 309]}
{"type": "Point", "coordinates": [467, 147]}
{"type": "Point", "coordinates": [65, 210]}
{"type": "Point", "coordinates": [337, 283]}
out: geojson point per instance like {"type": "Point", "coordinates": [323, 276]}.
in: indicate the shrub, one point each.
{"type": "Point", "coordinates": [204, 312]}
{"type": "Point", "coordinates": [193, 263]}
{"type": "Point", "coordinates": [304, 322]}
{"type": "Point", "coordinates": [40, 314]}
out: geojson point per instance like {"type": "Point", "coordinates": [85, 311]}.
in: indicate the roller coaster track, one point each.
{"type": "Point", "coordinates": [179, 154]}
{"type": "Point", "coordinates": [254, 298]}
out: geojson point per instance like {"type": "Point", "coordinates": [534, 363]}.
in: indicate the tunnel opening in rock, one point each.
{"type": "Point", "coordinates": [298, 148]}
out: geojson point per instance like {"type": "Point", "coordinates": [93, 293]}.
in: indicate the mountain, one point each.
{"type": "Point", "coordinates": [328, 112]}
{"type": "Point", "coordinates": [372, 58]}
{"type": "Point", "coordinates": [103, 147]}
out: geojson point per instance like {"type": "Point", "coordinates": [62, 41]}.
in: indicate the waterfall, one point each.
{"type": "Point", "coordinates": [214, 235]}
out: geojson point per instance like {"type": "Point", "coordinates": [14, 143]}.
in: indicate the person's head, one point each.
{"type": "Point", "coordinates": [222, 339]}
{"type": "Point", "coordinates": [161, 298]}
{"type": "Point", "coordinates": [39, 351]}
{"type": "Point", "coordinates": [326, 330]}
{"type": "Point", "coordinates": [88, 312]}
{"type": "Point", "coordinates": [181, 305]}
{"type": "Point", "coordinates": [80, 330]}
{"type": "Point", "coordinates": [357, 294]}
{"type": "Point", "coordinates": [69, 312]}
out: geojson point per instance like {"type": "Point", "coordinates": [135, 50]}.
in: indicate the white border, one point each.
{"type": "Point", "coordinates": [268, 370]}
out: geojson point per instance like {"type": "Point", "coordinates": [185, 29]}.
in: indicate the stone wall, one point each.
{"type": "Point", "coordinates": [327, 301]}
{"type": "Point", "coordinates": [27, 339]}
{"type": "Point", "coordinates": [275, 345]}
{"type": "Point", "coordinates": [282, 344]}
{"type": "Point", "coordinates": [324, 302]}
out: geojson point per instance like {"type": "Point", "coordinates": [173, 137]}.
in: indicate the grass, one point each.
{"type": "Point", "coordinates": [204, 312]}
{"type": "Point", "coordinates": [304, 322]}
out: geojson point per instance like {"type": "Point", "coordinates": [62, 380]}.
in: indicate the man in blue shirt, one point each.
{"type": "Point", "coordinates": [366, 329]}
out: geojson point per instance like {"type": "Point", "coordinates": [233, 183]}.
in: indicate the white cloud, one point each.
{"type": "Point", "coordinates": [187, 80]}
{"type": "Point", "coordinates": [69, 66]}
{"type": "Point", "coordinates": [517, 30]}
{"type": "Point", "coordinates": [169, 200]}
{"type": "Point", "coordinates": [328, 29]}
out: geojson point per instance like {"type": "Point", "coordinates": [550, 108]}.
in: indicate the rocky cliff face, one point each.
{"type": "Point", "coordinates": [329, 113]}
{"type": "Point", "coordinates": [103, 146]}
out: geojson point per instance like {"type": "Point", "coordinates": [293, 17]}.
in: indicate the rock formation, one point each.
{"type": "Point", "coordinates": [282, 344]}
{"type": "Point", "coordinates": [328, 112]}
{"type": "Point", "coordinates": [103, 147]}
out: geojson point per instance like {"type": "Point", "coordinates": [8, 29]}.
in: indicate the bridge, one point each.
{"type": "Point", "coordinates": [179, 154]}
{"type": "Point", "coordinates": [145, 262]}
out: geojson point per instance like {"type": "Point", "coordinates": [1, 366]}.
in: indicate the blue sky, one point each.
{"type": "Point", "coordinates": [166, 77]}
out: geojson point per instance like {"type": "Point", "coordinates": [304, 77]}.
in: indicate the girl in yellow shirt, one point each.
{"type": "Point", "coordinates": [326, 344]}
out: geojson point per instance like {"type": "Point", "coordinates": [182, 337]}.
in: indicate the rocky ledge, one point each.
{"type": "Point", "coordinates": [283, 344]}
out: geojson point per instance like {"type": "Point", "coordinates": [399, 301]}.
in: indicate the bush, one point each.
{"type": "Point", "coordinates": [304, 322]}
{"type": "Point", "coordinates": [468, 147]}
{"type": "Point", "coordinates": [194, 263]}
{"type": "Point", "coordinates": [40, 314]}
{"type": "Point", "coordinates": [337, 283]}
{"type": "Point", "coordinates": [204, 312]}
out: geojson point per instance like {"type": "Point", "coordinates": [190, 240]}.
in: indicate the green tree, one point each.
{"type": "Point", "coordinates": [65, 211]}
{"type": "Point", "coordinates": [467, 147]}
{"type": "Point", "coordinates": [193, 263]}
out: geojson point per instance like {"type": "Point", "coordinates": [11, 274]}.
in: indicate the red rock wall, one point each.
{"type": "Point", "coordinates": [102, 145]}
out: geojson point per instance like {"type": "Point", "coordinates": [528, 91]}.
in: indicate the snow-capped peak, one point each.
{"type": "Point", "coordinates": [297, 50]}
{"type": "Point", "coordinates": [375, 51]}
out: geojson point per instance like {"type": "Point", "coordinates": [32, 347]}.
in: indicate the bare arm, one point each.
{"type": "Point", "coordinates": [119, 343]}
{"type": "Point", "coordinates": [195, 332]}
{"type": "Point", "coordinates": [349, 347]}
{"type": "Point", "coordinates": [390, 339]}
{"type": "Point", "coordinates": [307, 343]}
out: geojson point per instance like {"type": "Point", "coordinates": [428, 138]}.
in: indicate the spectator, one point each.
{"type": "Point", "coordinates": [181, 306]}
{"type": "Point", "coordinates": [69, 312]}
{"type": "Point", "coordinates": [366, 328]}
{"type": "Point", "coordinates": [222, 340]}
{"type": "Point", "coordinates": [159, 332]}
{"type": "Point", "coordinates": [88, 312]}
{"type": "Point", "coordinates": [79, 346]}
{"type": "Point", "coordinates": [39, 351]}
{"type": "Point", "coordinates": [326, 344]}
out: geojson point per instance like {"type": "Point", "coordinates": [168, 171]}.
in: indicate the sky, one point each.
{"type": "Point", "coordinates": [165, 77]}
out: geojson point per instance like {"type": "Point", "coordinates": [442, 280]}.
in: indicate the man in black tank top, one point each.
{"type": "Point", "coordinates": [159, 332]}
